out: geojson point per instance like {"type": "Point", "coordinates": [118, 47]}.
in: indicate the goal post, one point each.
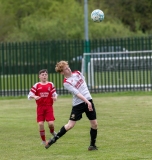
{"type": "Point", "coordinates": [114, 71]}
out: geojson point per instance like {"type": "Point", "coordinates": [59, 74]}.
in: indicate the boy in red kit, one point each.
{"type": "Point", "coordinates": [44, 94]}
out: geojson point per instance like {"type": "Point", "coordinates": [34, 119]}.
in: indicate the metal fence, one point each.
{"type": "Point", "coordinates": [121, 71]}
{"type": "Point", "coordinates": [20, 62]}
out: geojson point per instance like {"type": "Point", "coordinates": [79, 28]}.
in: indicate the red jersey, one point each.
{"type": "Point", "coordinates": [45, 91]}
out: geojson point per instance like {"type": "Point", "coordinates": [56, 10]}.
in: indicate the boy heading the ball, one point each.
{"type": "Point", "coordinates": [44, 94]}
{"type": "Point", "coordinates": [82, 102]}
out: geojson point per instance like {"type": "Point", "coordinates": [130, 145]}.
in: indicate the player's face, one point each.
{"type": "Point", "coordinates": [43, 77]}
{"type": "Point", "coordinates": [66, 71]}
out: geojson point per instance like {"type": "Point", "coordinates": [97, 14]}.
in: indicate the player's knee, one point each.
{"type": "Point", "coordinates": [51, 125]}
{"type": "Point", "coordinates": [94, 125]}
{"type": "Point", "coordinates": [69, 126]}
{"type": "Point", "coordinates": [41, 124]}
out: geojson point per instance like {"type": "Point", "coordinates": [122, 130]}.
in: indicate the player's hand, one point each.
{"type": "Point", "coordinates": [54, 98]}
{"type": "Point", "coordinates": [37, 97]}
{"type": "Point", "coordinates": [90, 106]}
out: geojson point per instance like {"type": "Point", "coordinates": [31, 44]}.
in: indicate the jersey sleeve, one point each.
{"type": "Point", "coordinates": [82, 76]}
{"type": "Point", "coordinates": [54, 94]}
{"type": "Point", "coordinates": [32, 91]}
{"type": "Point", "coordinates": [53, 91]}
{"type": "Point", "coordinates": [70, 88]}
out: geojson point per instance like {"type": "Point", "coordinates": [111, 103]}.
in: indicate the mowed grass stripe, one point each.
{"type": "Point", "coordinates": [124, 131]}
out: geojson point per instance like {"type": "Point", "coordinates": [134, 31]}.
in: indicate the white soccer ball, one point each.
{"type": "Point", "coordinates": [97, 15]}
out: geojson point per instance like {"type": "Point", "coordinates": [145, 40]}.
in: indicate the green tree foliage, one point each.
{"type": "Point", "coordinates": [49, 20]}
{"type": "Point", "coordinates": [136, 14]}
{"type": "Point", "coordinates": [32, 20]}
{"type": "Point", "coordinates": [111, 26]}
{"type": "Point", "coordinates": [6, 23]}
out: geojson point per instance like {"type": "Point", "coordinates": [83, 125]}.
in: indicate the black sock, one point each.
{"type": "Point", "coordinates": [60, 133]}
{"type": "Point", "coordinates": [93, 135]}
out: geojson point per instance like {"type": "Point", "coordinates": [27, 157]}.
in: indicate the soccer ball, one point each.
{"type": "Point", "coordinates": [97, 15]}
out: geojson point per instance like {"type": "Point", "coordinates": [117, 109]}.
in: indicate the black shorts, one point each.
{"type": "Point", "coordinates": [78, 110]}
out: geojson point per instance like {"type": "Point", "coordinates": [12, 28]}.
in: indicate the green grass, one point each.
{"type": "Point", "coordinates": [124, 129]}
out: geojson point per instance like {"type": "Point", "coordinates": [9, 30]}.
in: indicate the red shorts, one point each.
{"type": "Point", "coordinates": [45, 113]}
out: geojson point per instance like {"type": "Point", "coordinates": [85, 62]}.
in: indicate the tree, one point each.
{"type": "Point", "coordinates": [33, 20]}
{"type": "Point", "coordinates": [133, 13]}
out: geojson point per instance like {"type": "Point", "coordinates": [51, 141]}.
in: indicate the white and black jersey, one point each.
{"type": "Point", "coordinates": [76, 84]}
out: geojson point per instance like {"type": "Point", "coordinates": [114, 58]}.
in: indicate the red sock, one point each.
{"type": "Point", "coordinates": [42, 135]}
{"type": "Point", "coordinates": [52, 130]}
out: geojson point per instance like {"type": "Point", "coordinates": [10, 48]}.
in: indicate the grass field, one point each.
{"type": "Point", "coordinates": [124, 130]}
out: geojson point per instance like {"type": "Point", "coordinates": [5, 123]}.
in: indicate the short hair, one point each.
{"type": "Point", "coordinates": [43, 71]}
{"type": "Point", "coordinates": [60, 65]}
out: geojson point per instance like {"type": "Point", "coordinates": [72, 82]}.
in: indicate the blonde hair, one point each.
{"type": "Point", "coordinates": [60, 65]}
